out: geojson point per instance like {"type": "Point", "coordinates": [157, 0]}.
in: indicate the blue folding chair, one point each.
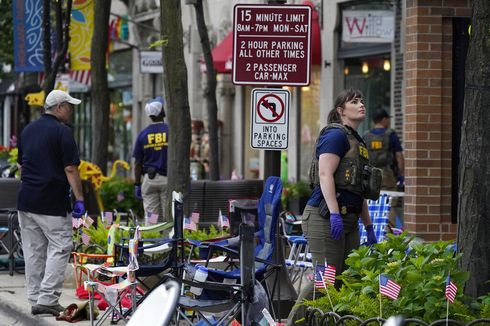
{"type": "Point", "coordinates": [379, 210]}
{"type": "Point", "coordinates": [269, 207]}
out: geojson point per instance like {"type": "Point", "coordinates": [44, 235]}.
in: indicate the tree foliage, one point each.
{"type": "Point", "coordinates": [7, 35]}
{"type": "Point", "coordinates": [474, 171]}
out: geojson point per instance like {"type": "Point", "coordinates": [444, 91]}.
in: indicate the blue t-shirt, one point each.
{"type": "Point", "coordinates": [334, 141]}
{"type": "Point", "coordinates": [151, 147]}
{"type": "Point", "coordinates": [395, 144]}
{"type": "Point", "coordinates": [46, 147]}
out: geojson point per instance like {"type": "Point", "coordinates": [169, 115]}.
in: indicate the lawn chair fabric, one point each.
{"type": "Point", "coordinates": [379, 211]}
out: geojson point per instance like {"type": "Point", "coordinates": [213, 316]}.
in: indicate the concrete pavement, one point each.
{"type": "Point", "coordinates": [16, 310]}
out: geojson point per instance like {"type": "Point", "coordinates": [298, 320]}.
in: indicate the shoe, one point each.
{"type": "Point", "coordinates": [40, 309]}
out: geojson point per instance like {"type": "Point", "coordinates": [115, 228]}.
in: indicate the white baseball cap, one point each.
{"type": "Point", "coordinates": [56, 97]}
{"type": "Point", "coordinates": [154, 107]}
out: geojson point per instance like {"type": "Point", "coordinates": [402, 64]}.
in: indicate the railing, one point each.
{"type": "Point", "coordinates": [316, 317]}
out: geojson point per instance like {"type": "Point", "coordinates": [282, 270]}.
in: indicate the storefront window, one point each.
{"type": "Point", "coordinates": [371, 75]}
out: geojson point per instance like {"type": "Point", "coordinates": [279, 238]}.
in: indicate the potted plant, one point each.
{"type": "Point", "coordinates": [295, 195]}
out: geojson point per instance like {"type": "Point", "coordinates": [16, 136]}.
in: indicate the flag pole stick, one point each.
{"type": "Point", "coordinates": [314, 281]}
{"type": "Point", "coordinates": [447, 311]}
{"type": "Point", "coordinates": [328, 295]}
{"type": "Point", "coordinates": [380, 301]}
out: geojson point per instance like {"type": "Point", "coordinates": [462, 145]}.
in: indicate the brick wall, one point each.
{"type": "Point", "coordinates": [428, 108]}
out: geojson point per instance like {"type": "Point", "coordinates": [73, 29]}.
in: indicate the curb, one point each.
{"type": "Point", "coordinates": [23, 317]}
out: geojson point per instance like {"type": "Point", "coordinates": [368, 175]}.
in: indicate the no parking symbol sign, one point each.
{"type": "Point", "coordinates": [270, 119]}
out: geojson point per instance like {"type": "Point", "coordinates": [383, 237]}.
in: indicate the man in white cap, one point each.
{"type": "Point", "coordinates": [150, 154]}
{"type": "Point", "coordinates": [49, 159]}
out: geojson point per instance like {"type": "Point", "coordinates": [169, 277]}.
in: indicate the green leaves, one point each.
{"type": "Point", "coordinates": [420, 268]}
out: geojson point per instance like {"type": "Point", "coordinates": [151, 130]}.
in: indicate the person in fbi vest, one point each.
{"type": "Point", "coordinates": [150, 166]}
{"type": "Point", "coordinates": [386, 153]}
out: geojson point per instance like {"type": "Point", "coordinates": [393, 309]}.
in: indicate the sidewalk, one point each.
{"type": "Point", "coordinates": [15, 310]}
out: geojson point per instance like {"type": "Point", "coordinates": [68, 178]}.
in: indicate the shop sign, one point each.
{"type": "Point", "coordinates": [151, 62]}
{"type": "Point", "coordinates": [368, 26]}
{"type": "Point", "coordinates": [270, 118]}
{"type": "Point", "coordinates": [272, 45]}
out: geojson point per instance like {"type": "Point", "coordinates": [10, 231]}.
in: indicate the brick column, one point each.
{"type": "Point", "coordinates": [428, 114]}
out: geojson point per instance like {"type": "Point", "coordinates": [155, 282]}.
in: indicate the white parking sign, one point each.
{"type": "Point", "coordinates": [270, 118]}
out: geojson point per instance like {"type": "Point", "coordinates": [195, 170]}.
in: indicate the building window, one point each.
{"type": "Point", "coordinates": [371, 75]}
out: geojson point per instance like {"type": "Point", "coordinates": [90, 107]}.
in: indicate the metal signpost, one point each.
{"type": "Point", "coordinates": [270, 119]}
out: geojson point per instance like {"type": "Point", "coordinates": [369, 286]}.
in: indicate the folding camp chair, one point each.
{"type": "Point", "coordinates": [268, 210]}
{"type": "Point", "coordinates": [216, 302]}
{"type": "Point", "coordinates": [379, 210]}
{"type": "Point", "coordinates": [10, 241]}
{"type": "Point", "coordinates": [114, 293]}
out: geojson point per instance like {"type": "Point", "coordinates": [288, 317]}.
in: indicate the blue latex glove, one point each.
{"type": "Point", "coordinates": [371, 238]}
{"type": "Point", "coordinates": [336, 226]}
{"type": "Point", "coordinates": [78, 209]}
{"type": "Point", "coordinates": [137, 192]}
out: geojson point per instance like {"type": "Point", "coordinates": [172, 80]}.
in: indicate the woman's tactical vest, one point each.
{"type": "Point", "coordinates": [354, 172]}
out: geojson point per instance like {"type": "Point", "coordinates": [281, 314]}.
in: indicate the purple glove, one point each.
{"type": "Point", "coordinates": [137, 192]}
{"type": "Point", "coordinates": [78, 209]}
{"type": "Point", "coordinates": [336, 226]}
{"type": "Point", "coordinates": [371, 238]}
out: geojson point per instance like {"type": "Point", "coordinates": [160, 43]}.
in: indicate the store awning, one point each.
{"type": "Point", "coordinates": [223, 55]}
{"type": "Point", "coordinates": [223, 52]}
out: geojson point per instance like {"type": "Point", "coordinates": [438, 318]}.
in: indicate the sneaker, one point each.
{"type": "Point", "coordinates": [40, 309]}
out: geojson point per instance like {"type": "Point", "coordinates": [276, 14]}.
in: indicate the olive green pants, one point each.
{"type": "Point", "coordinates": [316, 230]}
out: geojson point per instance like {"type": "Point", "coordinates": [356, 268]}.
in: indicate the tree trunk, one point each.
{"type": "Point", "coordinates": [62, 29]}
{"type": "Point", "coordinates": [178, 111]}
{"type": "Point", "coordinates": [100, 89]}
{"type": "Point", "coordinates": [209, 93]}
{"type": "Point", "coordinates": [474, 171]}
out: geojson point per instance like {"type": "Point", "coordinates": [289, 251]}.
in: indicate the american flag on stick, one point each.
{"type": "Point", "coordinates": [319, 277]}
{"type": "Point", "coordinates": [223, 221]}
{"type": "Point", "coordinates": [388, 287]}
{"type": "Point", "coordinates": [85, 238]}
{"type": "Point", "coordinates": [451, 290]}
{"type": "Point", "coordinates": [189, 224]}
{"type": "Point", "coordinates": [329, 274]}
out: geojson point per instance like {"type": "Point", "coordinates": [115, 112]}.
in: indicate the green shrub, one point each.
{"type": "Point", "coordinates": [420, 268]}
{"type": "Point", "coordinates": [118, 194]}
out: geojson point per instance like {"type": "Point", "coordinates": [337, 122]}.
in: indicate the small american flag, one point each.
{"type": "Point", "coordinates": [85, 238]}
{"type": "Point", "coordinates": [223, 221]}
{"type": "Point", "coordinates": [75, 223]}
{"type": "Point", "coordinates": [330, 274]}
{"type": "Point", "coordinates": [107, 218]}
{"type": "Point", "coordinates": [195, 217]}
{"type": "Point", "coordinates": [319, 277]}
{"type": "Point", "coordinates": [87, 221]}
{"type": "Point", "coordinates": [388, 287]}
{"type": "Point", "coordinates": [451, 290]}
{"type": "Point", "coordinates": [152, 218]}
{"type": "Point", "coordinates": [189, 224]}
